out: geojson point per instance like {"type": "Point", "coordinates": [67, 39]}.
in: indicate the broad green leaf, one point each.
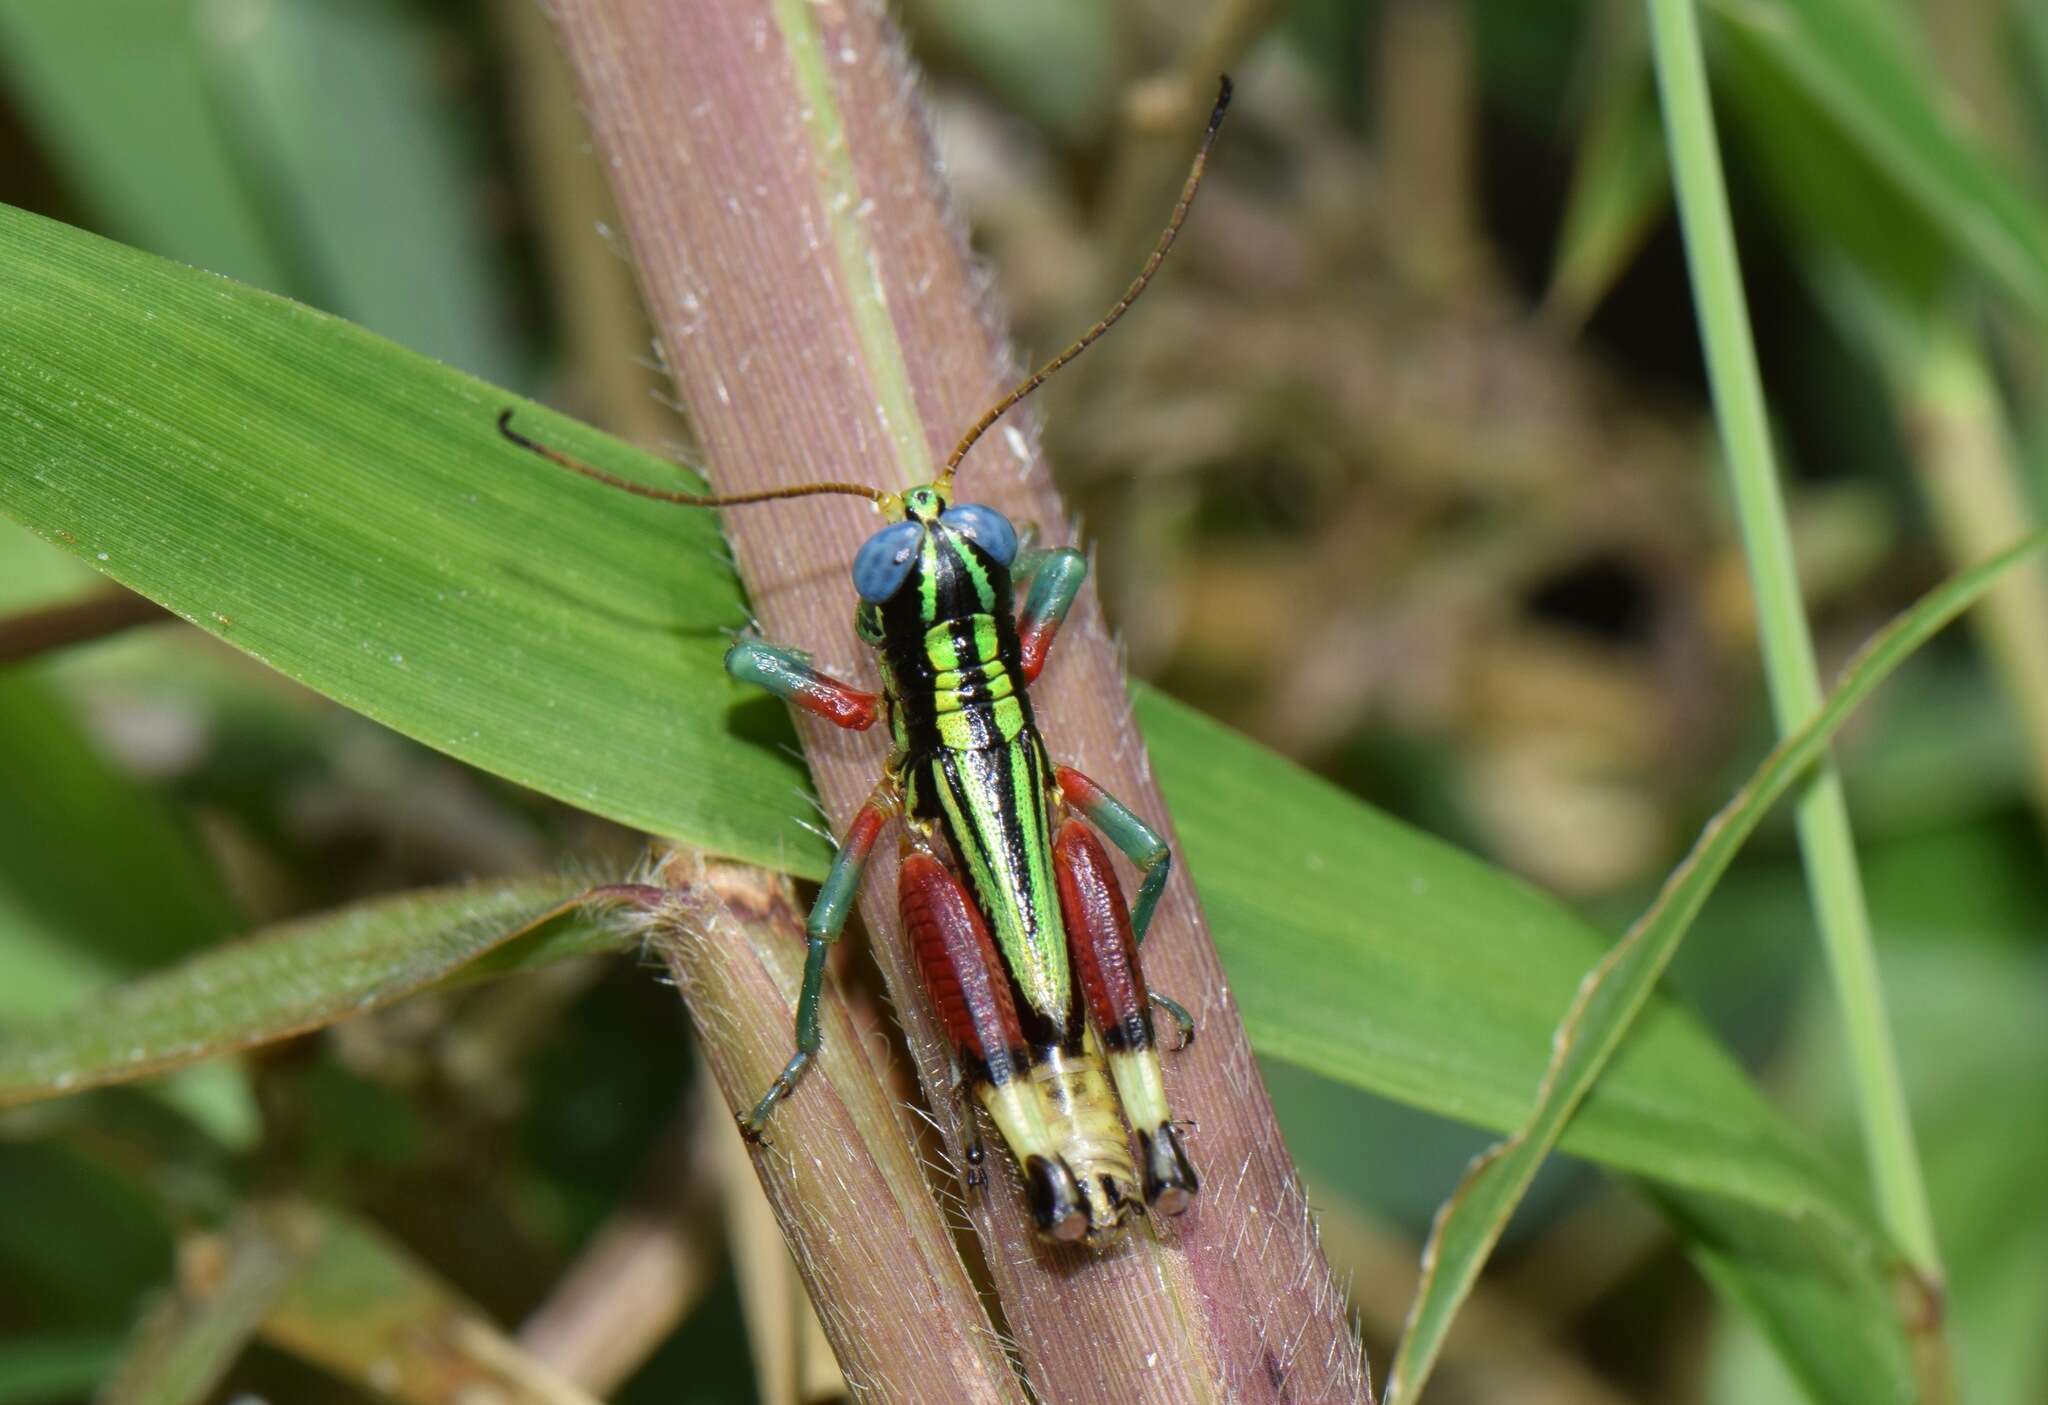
{"type": "Point", "coordinates": [1853, 61]}
{"type": "Point", "coordinates": [291, 979]}
{"type": "Point", "coordinates": [1621, 985]}
{"type": "Point", "coordinates": [1826, 838]}
{"type": "Point", "coordinates": [319, 498]}
{"type": "Point", "coordinates": [1384, 958]}
{"type": "Point", "coordinates": [345, 511]}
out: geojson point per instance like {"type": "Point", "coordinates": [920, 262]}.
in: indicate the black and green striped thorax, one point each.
{"type": "Point", "coordinates": [949, 650]}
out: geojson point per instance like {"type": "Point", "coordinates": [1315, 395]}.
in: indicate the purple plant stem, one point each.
{"type": "Point", "coordinates": [844, 1179]}
{"type": "Point", "coordinates": [727, 194]}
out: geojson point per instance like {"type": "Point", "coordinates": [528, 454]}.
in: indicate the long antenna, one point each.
{"type": "Point", "coordinates": [1123, 304]}
{"type": "Point", "coordinates": [647, 490]}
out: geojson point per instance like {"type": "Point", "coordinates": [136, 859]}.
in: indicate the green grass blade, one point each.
{"type": "Point", "coordinates": [1383, 958]}
{"type": "Point", "coordinates": [348, 128]}
{"type": "Point", "coordinates": [304, 148]}
{"type": "Point", "coordinates": [1855, 61]}
{"type": "Point", "coordinates": [69, 815]}
{"type": "Point", "coordinates": [291, 979]}
{"type": "Point", "coordinates": [1886, 276]}
{"type": "Point", "coordinates": [345, 511]}
{"type": "Point", "coordinates": [135, 128]}
{"type": "Point", "coordinates": [69, 819]}
{"type": "Point", "coordinates": [1617, 989]}
{"type": "Point", "coordinates": [1621, 187]}
{"type": "Point", "coordinates": [1822, 813]}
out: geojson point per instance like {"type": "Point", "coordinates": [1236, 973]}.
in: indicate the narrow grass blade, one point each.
{"type": "Point", "coordinates": [136, 130]}
{"type": "Point", "coordinates": [1616, 990]}
{"type": "Point", "coordinates": [1621, 184]}
{"type": "Point", "coordinates": [1821, 816]}
{"type": "Point", "coordinates": [1855, 60]}
{"type": "Point", "coordinates": [229, 1284]}
{"type": "Point", "coordinates": [303, 147]}
{"type": "Point", "coordinates": [365, 1309]}
{"type": "Point", "coordinates": [292, 979]}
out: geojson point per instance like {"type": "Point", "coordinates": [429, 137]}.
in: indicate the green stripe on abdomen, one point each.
{"type": "Point", "coordinates": [993, 799]}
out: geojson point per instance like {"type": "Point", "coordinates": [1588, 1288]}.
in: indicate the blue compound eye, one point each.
{"type": "Point", "coordinates": [884, 560]}
{"type": "Point", "coordinates": [985, 527]}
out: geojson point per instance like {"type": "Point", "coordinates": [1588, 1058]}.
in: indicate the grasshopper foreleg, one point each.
{"type": "Point", "coordinates": [1051, 577]}
{"type": "Point", "coordinates": [789, 675]}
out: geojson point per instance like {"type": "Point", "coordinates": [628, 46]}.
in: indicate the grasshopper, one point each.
{"type": "Point", "coordinates": [1020, 930]}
